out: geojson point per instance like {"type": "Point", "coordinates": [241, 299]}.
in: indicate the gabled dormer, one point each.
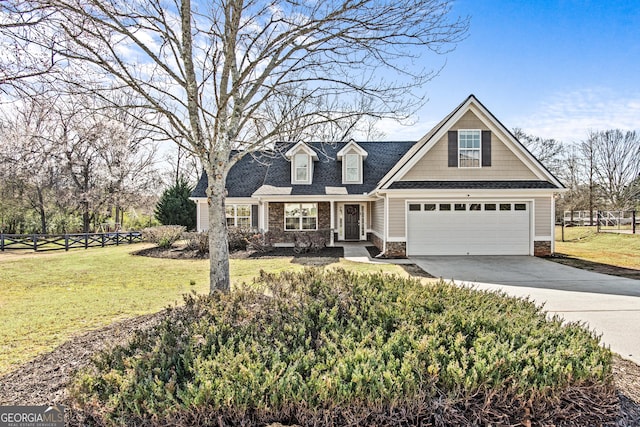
{"type": "Point", "coordinates": [301, 158]}
{"type": "Point", "coordinates": [352, 156]}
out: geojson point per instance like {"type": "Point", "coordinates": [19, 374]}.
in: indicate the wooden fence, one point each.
{"type": "Point", "coordinates": [53, 242]}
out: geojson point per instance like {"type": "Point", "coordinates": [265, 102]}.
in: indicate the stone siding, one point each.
{"type": "Point", "coordinates": [276, 223]}
{"type": "Point", "coordinates": [542, 248]}
{"type": "Point", "coordinates": [377, 242]}
{"type": "Point", "coordinates": [396, 249]}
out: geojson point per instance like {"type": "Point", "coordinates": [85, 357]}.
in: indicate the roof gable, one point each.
{"type": "Point", "coordinates": [352, 146]}
{"type": "Point", "coordinates": [301, 146]}
{"type": "Point", "coordinates": [483, 120]}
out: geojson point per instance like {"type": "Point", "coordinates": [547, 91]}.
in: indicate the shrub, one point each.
{"type": "Point", "coordinates": [260, 242]}
{"type": "Point", "coordinates": [335, 348]}
{"type": "Point", "coordinates": [238, 238]}
{"type": "Point", "coordinates": [197, 241]}
{"type": "Point", "coordinates": [308, 241]}
{"type": "Point", "coordinates": [164, 235]}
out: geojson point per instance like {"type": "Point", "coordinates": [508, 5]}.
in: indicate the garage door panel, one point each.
{"type": "Point", "coordinates": [499, 232]}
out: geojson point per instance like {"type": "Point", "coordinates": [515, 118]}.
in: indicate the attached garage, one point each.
{"type": "Point", "coordinates": [469, 227]}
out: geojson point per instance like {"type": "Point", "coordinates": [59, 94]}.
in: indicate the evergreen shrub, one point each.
{"type": "Point", "coordinates": [330, 347]}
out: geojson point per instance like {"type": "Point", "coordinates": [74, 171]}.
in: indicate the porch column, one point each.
{"type": "Point", "coordinates": [333, 222]}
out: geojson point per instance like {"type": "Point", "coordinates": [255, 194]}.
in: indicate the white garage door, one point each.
{"type": "Point", "coordinates": [468, 228]}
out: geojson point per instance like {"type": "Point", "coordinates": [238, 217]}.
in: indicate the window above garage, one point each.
{"type": "Point", "coordinates": [469, 148]}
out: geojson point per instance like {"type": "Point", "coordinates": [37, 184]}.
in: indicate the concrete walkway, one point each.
{"type": "Point", "coordinates": [357, 252]}
{"type": "Point", "coordinates": [607, 304]}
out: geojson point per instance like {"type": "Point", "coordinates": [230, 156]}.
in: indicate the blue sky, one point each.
{"type": "Point", "coordinates": [555, 68]}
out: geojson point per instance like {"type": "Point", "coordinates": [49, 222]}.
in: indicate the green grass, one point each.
{"type": "Point", "coordinates": [46, 298]}
{"type": "Point", "coordinates": [621, 250]}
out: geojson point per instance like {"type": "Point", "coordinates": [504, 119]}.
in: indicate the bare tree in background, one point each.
{"type": "Point", "coordinates": [616, 159]}
{"type": "Point", "coordinates": [210, 69]}
{"type": "Point", "coordinates": [548, 150]}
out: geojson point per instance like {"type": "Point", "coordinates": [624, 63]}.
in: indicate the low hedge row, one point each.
{"type": "Point", "coordinates": [335, 348]}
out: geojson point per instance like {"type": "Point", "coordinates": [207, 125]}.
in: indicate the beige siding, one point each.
{"type": "Point", "coordinates": [396, 217]}
{"type": "Point", "coordinates": [377, 216]}
{"type": "Point", "coordinates": [203, 211]}
{"type": "Point", "coordinates": [543, 216]}
{"type": "Point", "coordinates": [504, 164]}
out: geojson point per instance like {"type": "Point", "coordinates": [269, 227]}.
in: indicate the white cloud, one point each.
{"type": "Point", "coordinates": [570, 116]}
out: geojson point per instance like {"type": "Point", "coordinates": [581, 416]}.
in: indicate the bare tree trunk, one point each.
{"type": "Point", "coordinates": [218, 243]}
{"type": "Point", "coordinates": [42, 212]}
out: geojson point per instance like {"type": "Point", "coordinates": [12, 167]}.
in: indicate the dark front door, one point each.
{"type": "Point", "coordinates": [352, 222]}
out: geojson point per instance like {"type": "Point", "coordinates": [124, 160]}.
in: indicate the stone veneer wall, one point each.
{"type": "Point", "coordinates": [276, 223]}
{"type": "Point", "coordinates": [396, 249]}
{"type": "Point", "coordinates": [377, 242]}
{"type": "Point", "coordinates": [542, 248]}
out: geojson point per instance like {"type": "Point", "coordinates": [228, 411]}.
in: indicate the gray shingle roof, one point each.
{"type": "Point", "coordinates": [249, 174]}
{"type": "Point", "coordinates": [470, 185]}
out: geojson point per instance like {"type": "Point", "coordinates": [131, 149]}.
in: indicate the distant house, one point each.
{"type": "Point", "coordinates": [468, 187]}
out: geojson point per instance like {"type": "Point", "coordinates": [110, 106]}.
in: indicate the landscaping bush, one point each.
{"type": "Point", "coordinates": [198, 242]}
{"type": "Point", "coordinates": [238, 238]}
{"type": "Point", "coordinates": [337, 348]}
{"type": "Point", "coordinates": [164, 235]}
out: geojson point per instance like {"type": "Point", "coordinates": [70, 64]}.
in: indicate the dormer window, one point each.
{"type": "Point", "coordinates": [352, 156]}
{"type": "Point", "coordinates": [301, 157]}
{"type": "Point", "coordinates": [301, 166]}
{"type": "Point", "coordinates": [352, 168]}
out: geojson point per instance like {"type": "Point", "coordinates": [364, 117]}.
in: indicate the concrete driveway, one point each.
{"type": "Point", "coordinates": [608, 304]}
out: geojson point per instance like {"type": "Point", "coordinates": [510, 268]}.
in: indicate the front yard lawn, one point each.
{"type": "Point", "coordinates": [609, 253]}
{"type": "Point", "coordinates": [46, 298]}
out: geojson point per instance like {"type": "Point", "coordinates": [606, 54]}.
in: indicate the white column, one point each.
{"type": "Point", "coordinates": [333, 222]}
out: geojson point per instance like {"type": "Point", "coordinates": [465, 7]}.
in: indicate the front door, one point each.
{"type": "Point", "coordinates": [352, 222]}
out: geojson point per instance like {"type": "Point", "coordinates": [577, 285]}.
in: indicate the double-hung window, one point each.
{"type": "Point", "coordinates": [238, 216]}
{"type": "Point", "coordinates": [301, 164]}
{"type": "Point", "coordinates": [469, 148]}
{"type": "Point", "coordinates": [352, 168]}
{"type": "Point", "coordinates": [300, 216]}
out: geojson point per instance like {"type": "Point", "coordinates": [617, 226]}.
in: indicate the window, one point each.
{"type": "Point", "coordinates": [301, 163]}
{"type": "Point", "coordinates": [474, 206]}
{"type": "Point", "coordinates": [489, 206]}
{"type": "Point", "coordinates": [429, 206]}
{"type": "Point", "coordinates": [469, 148]}
{"type": "Point", "coordinates": [352, 168]}
{"type": "Point", "coordinates": [505, 206]}
{"type": "Point", "coordinates": [460, 207]}
{"type": "Point", "coordinates": [445, 206]}
{"type": "Point", "coordinates": [520, 207]}
{"type": "Point", "coordinates": [238, 216]}
{"type": "Point", "coordinates": [414, 207]}
{"type": "Point", "coordinates": [300, 216]}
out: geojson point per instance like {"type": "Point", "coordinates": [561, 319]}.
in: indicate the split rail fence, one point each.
{"type": "Point", "coordinates": [53, 242]}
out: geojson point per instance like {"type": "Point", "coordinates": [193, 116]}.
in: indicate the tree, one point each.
{"type": "Point", "coordinates": [617, 165]}
{"type": "Point", "coordinates": [174, 206]}
{"type": "Point", "coordinates": [211, 69]}
{"type": "Point", "coordinates": [549, 151]}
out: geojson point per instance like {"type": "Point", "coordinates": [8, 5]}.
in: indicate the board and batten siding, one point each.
{"type": "Point", "coordinates": [396, 218]}
{"type": "Point", "coordinates": [504, 164]}
{"type": "Point", "coordinates": [543, 216]}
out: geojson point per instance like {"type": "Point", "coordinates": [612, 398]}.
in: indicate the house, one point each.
{"type": "Point", "coordinates": [468, 187]}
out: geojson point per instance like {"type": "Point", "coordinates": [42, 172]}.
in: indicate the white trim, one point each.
{"type": "Point", "coordinates": [358, 180]}
{"type": "Point", "coordinates": [294, 169]}
{"type": "Point", "coordinates": [301, 146]}
{"type": "Point", "coordinates": [284, 219]}
{"type": "Point", "coordinates": [385, 223]}
{"type": "Point", "coordinates": [333, 223]}
{"type": "Point", "coordinates": [542, 238]}
{"type": "Point", "coordinates": [553, 225]}
{"type": "Point", "coordinates": [397, 239]}
{"type": "Point", "coordinates": [352, 145]}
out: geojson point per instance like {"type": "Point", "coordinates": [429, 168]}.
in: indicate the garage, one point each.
{"type": "Point", "coordinates": [469, 228]}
